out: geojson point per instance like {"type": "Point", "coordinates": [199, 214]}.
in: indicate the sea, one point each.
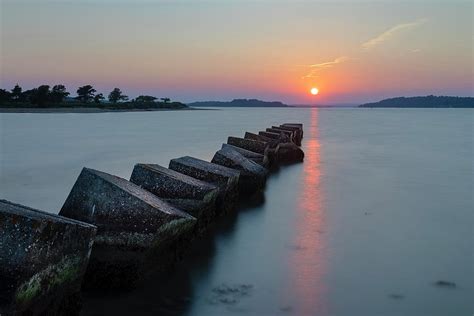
{"type": "Point", "coordinates": [379, 212]}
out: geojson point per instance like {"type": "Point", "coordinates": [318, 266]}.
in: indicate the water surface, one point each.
{"type": "Point", "coordinates": [379, 211]}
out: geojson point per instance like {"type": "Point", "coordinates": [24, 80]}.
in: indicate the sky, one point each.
{"type": "Point", "coordinates": [352, 51]}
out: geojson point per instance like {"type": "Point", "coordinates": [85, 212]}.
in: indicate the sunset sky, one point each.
{"type": "Point", "coordinates": [352, 51]}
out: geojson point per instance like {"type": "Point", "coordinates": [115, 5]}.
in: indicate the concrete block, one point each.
{"type": "Point", "coordinates": [258, 158]}
{"type": "Point", "coordinates": [298, 133]}
{"type": "Point", "coordinates": [43, 258]}
{"type": "Point", "coordinates": [226, 179]}
{"type": "Point", "coordinates": [260, 138]}
{"type": "Point", "coordinates": [194, 196]}
{"type": "Point", "coordinates": [252, 175]}
{"type": "Point", "coordinates": [288, 153]}
{"type": "Point", "coordinates": [137, 231]}
{"type": "Point", "coordinates": [249, 144]}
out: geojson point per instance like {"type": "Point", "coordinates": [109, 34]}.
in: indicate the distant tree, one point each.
{"type": "Point", "coordinates": [5, 95]}
{"type": "Point", "coordinates": [16, 93]}
{"type": "Point", "coordinates": [58, 93]}
{"type": "Point", "coordinates": [41, 95]}
{"type": "Point", "coordinates": [26, 95]}
{"type": "Point", "coordinates": [85, 93]}
{"type": "Point", "coordinates": [116, 96]}
{"type": "Point", "coordinates": [145, 98]}
{"type": "Point", "coordinates": [98, 98]}
{"type": "Point", "coordinates": [166, 100]}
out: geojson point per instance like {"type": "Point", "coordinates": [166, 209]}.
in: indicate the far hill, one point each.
{"type": "Point", "coordinates": [429, 101]}
{"type": "Point", "coordinates": [239, 103]}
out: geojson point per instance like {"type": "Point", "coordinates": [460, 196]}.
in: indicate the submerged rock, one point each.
{"type": "Point", "coordinates": [249, 144]}
{"type": "Point", "coordinates": [43, 258]}
{"type": "Point", "coordinates": [252, 175]}
{"type": "Point", "coordinates": [196, 197]}
{"type": "Point", "coordinates": [226, 179]}
{"type": "Point", "coordinates": [396, 296]}
{"type": "Point", "coordinates": [230, 294]}
{"type": "Point", "coordinates": [137, 231]}
{"type": "Point", "coordinates": [442, 283]}
{"type": "Point", "coordinates": [258, 158]}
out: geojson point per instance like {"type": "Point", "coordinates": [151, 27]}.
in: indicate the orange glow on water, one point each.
{"type": "Point", "coordinates": [307, 265]}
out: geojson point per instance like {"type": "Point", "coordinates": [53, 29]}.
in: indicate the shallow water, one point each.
{"type": "Point", "coordinates": [380, 210]}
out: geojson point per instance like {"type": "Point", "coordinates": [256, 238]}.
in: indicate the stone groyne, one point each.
{"type": "Point", "coordinates": [112, 232]}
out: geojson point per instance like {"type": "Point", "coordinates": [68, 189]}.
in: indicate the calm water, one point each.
{"type": "Point", "coordinates": [381, 208]}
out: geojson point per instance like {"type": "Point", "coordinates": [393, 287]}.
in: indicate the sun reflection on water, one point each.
{"type": "Point", "coordinates": [307, 262]}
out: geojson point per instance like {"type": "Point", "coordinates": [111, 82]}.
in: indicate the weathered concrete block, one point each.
{"type": "Point", "coordinates": [292, 135]}
{"type": "Point", "coordinates": [277, 138]}
{"type": "Point", "coordinates": [269, 135]}
{"type": "Point", "coordinates": [288, 153]}
{"type": "Point", "coordinates": [252, 175]}
{"type": "Point", "coordinates": [194, 196]}
{"type": "Point", "coordinates": [297, 125]}
{"type": "Point", "coordinates": [294, 124]}
{"type": "Point", "coordinates": [226, 179]}
{"type": "Point", "coordinates": [262, 160]}
{"type": "Point", "coordinates": [136, 229]}
{"type": "Point", "coordinates": [280, 131]}
{"type": "Point", "coordinates": [249, 144]}
{"type": "Point", "coordinates": [298, 133]}
{"type": "Point", "coordinates": [43, 258]}
{"type": "Point", "coordinates": [260, 138]}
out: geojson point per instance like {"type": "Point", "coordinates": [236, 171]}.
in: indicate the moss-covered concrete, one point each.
{"type": "Point", "coordinates": [43, 258]}
{"type": "Point", "coordinates": [129, 220]}
{"type": "Point", "coordinates": [68, 270]}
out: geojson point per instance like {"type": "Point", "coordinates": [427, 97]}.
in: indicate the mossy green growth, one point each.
{"type": "Point", "coordinates": [173, 230]}
{"type": "Point", "coordinates": [67, 270]}
{"type": "Point", "coordinates": [28, 290]}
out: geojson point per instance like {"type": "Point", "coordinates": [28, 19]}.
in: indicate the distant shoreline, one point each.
{"type": "Point", "coordinates": [429, 101]}
{"type": "Point", "coordinates": [88, 110]}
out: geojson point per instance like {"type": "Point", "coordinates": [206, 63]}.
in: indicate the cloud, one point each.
{"type": "Point", "coordinates": [391, 32]}
{"type": "Point", "coordinates": [329, 64]}
{"type": "Point", "coordinates": [314, 68]}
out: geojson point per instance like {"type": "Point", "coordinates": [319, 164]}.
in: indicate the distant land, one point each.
{"type": "Point", "coordinates": [45, 99]}
{"type": "Point", "coordinates": [250, 103]}
{"type": "Point", "coordinates": [429, 101]}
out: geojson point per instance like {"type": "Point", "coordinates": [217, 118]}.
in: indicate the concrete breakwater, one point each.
{"type": "Point", "coordinates": [111, 232]}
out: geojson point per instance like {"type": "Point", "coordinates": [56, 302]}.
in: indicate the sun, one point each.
{"type": "Point", "coordinates": [314, 91]}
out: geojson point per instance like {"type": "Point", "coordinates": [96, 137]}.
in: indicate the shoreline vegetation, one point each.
{"type": "Point", "coordinates": [88, 109]}
{"type": "Point", "coordinates": [57, 99]}
{"type": "Point", "coordinates": [45, 99]}
{"type": "Point", "coordinates": [429, 101]}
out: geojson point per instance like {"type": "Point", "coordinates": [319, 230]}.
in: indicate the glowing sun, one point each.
{"type": "Point", "coordinates": [314, 91]}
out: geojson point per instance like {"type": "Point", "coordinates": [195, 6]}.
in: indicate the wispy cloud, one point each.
{"type": "Point", "coordinates": [391, 32]}
{"type": "Point", "coordinates": [329, 64]}
{"type": "Point", "coordinates": [314, 68]}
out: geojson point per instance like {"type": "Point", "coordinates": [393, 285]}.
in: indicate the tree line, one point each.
{"type": "Point", "coordinates": [44, 95]}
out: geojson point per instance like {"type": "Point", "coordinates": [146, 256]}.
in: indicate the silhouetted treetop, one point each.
{"type": "Point", "coordinates": [116, 96]}
{"type": "Point", "coordinates": [58, 93]}
{"type": "Point", "coordinates": [85, 93]}
{"type": "Point", "coordinates": [98, 98]}
{"type": "Point", "coordinates": [145, 98]}
{"type": "Point", "coordinates": [40, 96]}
